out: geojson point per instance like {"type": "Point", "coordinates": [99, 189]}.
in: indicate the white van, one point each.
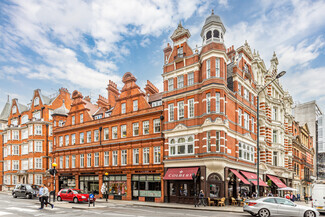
{"type": "Point", "coordinates": [318, 196]}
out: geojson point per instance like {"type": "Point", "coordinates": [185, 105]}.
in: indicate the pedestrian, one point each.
{"type": "Point", "coordinates": [201, 198]}
{"type": "Point", "coordinates": [292, 197]}
{"type": "Point", "coordinates": [45, 197]}
{"type": "Point", "coordinates": [104, 190]}
{"type": "Point", "coordinates": [254, 195]}
{"type": "Point", "coordinates": [40, 193]}
{"type": "Point", "coordinates": [270, 194]}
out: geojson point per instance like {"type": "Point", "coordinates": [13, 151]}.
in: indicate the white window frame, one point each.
{"type": "Point", "coordinates": [38, 129]}
{"type": "Point", "coordinates": [135, 105]}
{"type": "Point", "coordinates": [114, 158]}
{"type": "Point", "coordinates": [82, 160]}
{"type": "Point", "coordinates": [171, 115]}
{"type": "Point", "coordinates": [114, 132]}
{"type": "Point", "coordinates": [190, 108]}
{"type": "Point", "coordinates": [218, 102]}
{"type": "Point", "coordinates": [208, 103]}
{"type": "Point", "coordinates": [136, 156]}
{"type": "Point", "coordinates": [180, 81]}
{"type": "Point", "coordinates": [175, 144]}
{"type": "Point", "coordinates": [146, 155]}
{"type": "Point", "coordinates": [73, 161]}
{"type": "Point", "coordinates": [146, 126]}
{"type": "Point", "coordinates": [135, 129]}
{"type": "Point", "coordinates": [106, 158]}
{"type": "Point", "coordinates": [123, 131]}
{"type": "Point", "coordinates": [218, 67]}
{"type": "Point", "coordinates": [180, 109]}
{"type": "Point", "coordinates": [246, 152]}
{"type": "Point", "coordinates": [106, 133]}
{"type": "Point", "coordinates": [190, 78]}
{"type": "Point", "coordinates": [81, 138]}
{"type": "Point", "coordinates": [96, 135]}
{"type": "Point", "coordinates": [81, 118]}
{"type": "Point", "coordinates": [170, 84]}
{"type": "Point", "coordinates": [123, 108]}
{"type": "Point", "coordinates": [67, 161]}
{"type": "Point", "coordinates": [157, 155]}
{"type": "Point", "coordinates": [89, 160]}
{"type": "Point", "coordinates": [73, 139]}
{"type": "Point", "coordinates": [208, 68]}
{"type": "Point", "coordinates": [96, 159]}
{"type": "Point", "coordinates": [124, 157]}
{"type": "Point", "coordinates": [67, 140]}
{"type": "Point", "coordinates": [156, 126]}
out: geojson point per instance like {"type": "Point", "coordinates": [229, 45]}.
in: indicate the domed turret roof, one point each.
{"type": "Point", "coordinates": [212, 19]}
{"type": "Point", "coordinates": [61, 111]}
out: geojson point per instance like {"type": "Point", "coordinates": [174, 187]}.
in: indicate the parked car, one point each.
{"type": "Point", "coordinates": [25, 190]}
{"type": "Point", "coordinates": [277, 206]}
{"type": "Point", "coordinates": [73, 195]}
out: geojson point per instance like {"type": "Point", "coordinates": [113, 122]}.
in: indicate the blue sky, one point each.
{"type": "Point", "coordinates": [82, 44]}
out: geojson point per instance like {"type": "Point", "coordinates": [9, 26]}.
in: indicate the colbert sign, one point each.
{"type": "Point", "coordinates": [180, 173]}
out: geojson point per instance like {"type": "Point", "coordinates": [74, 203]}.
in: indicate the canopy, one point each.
{"type": "Point", "coordinates": [252, 177]}
{"type": "Point", "coordinates": [180, 173]}
{"type": "Point", "coordinates": [287, 189]}
{"type": "Point", "coordinates": [277, 181]}
{"type": "Point", "coordinates": [239, 176]}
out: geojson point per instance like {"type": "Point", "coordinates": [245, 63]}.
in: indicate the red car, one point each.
{"type": "Point", "coordinates": [73, 195]}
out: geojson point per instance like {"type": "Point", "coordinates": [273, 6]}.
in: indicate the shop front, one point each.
{"type": "Point", "coordinates": [146, 187]}
{"type": "Point", "coordinates": [117, 186]}
{"type": "Point", "coordinates": [274, 183]}
{"type": "Point", "coordinates": [89, 184]}
{"type": "Point", "coordinates": [67, 181]}
{"type": "Point", "coordinates": [182, 183]}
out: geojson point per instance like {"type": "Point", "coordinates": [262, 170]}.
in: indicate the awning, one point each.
{"type": "Point", "coordinates": [277, 181]}
{"type": "Point", "coordinates": [180, 173]}
{"type": "Point", "coordinates": [239, 176]}
{"type": "Point", "coordinates": [252, 177]}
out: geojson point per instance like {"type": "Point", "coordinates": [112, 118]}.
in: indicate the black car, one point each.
{"type": "Point", "coordinates": [25, 190]}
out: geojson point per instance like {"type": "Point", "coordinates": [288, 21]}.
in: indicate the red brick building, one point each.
{"type": "Point", "coordinates": [303, 158]}
{"type": "Point", "coordinates": [26, 138]}
{"type": "Point", "coordinates": [210, 116]}
{"type": "Point", "coordinates": [119, 135]}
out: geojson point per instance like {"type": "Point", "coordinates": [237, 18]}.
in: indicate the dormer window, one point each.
{"type": "Point", "coordinates": [36, 101]}
{"type": "Point", "coordinates": [14, 110]}
{"type": "Point", "coordinates": [180, 52]}
{"type": "Point", "coordinates": [209, 35]}
{"type": "Point", "coordinates": [215, 33]}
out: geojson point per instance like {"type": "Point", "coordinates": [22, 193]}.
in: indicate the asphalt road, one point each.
{"type": "Point", "coordinates": [25, 207]}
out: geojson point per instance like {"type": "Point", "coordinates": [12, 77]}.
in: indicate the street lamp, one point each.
{"type": "Point", "coordinates": [194, 178]}
{"type": "Point", "coordinates": [258, 129]}
{"type": "Point", "coordinates": [106, 174]}
{"type": "Point", "coordinates": [54, 172]}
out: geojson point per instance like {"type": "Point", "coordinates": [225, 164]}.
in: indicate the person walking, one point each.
{"type": "Point", "coordinates": [201, 199]}
{"type": "Point", "coordinates": [45, 197]}
{"type": "Point", "coordinates": [40, 193]}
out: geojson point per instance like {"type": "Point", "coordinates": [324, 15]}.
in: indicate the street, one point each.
{"type": "Point", "coordinates": [25, 207]}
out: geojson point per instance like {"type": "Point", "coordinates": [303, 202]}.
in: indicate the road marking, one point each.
{"type": "Point", "coordinates": [5, 213]}
{"type": "Point", "coordinates": [21, 209]}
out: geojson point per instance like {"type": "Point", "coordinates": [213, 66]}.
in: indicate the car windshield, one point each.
{"type": "Point", "coordinates": [78, 192]}
{"type": "Point", "coordinates": [28, 187]}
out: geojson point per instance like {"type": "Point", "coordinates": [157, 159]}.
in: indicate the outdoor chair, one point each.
{"type": "Point", "coordinates": [222, 202]}
{"type": "Point", "coordinates": [210, 203]}
{"type": "Point", "coordinates": [233, 201]}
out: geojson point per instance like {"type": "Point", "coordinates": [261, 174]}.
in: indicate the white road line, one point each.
{"type": "Point", "coordinates": [21, 209]}
{"type": "Point", "coordinates": [5, 213]}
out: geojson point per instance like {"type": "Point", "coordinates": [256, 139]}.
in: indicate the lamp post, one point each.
{"type": "Point", "coordinates": [54, 172]}
{"type": "Point", "coordinates": [106, 174]}
{"type": "Point", "coordinates": [258, 129]}
{"type": "Point", "coordinates": [194, 178]}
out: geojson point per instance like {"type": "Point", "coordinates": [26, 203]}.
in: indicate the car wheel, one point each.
{"type": "Point", "coordinates": [309, 213]}
{"type": "Point", "coordinates": [263, 213]}
{"type": "Point", "coordinates": [14, 195]}
{"type": "Point", "coordinates": [59, 198]}
{"type": "Point", "coordinates": [75, 200]}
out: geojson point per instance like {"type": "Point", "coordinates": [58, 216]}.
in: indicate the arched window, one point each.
{"type": "Point", "coordinates": [36, 101]}
{"type": "Point", "coordinates": [181, 140]}
{"type": "Point", "coordinates": [215, 33]}
{"type": "Point", "coordinates": [14, 109]}
{"type": "Point", "coordinates": [172, 141]}
{"type": "Point", "coordinates": [209, 35]}
{"type": "Point", "coordinates": [190, 139]}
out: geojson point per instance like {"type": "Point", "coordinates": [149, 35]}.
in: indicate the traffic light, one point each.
{"type": "Point", "coordinates": [52, 171]}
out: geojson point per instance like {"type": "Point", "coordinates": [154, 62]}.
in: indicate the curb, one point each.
{"type": "Point", "coordinates": [172, 207]}
{"type": "Point", "coordinates": [91, 207]}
